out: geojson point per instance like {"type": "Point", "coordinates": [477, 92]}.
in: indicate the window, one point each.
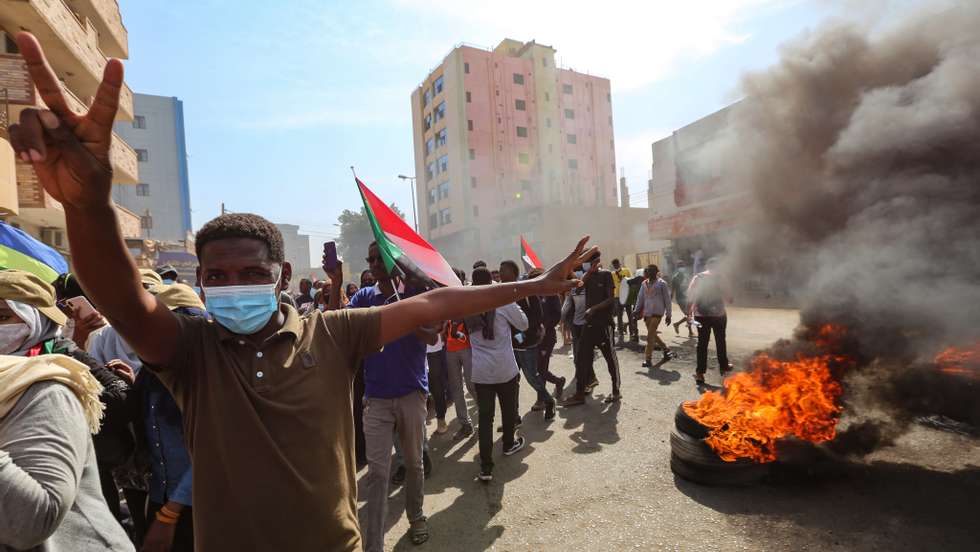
{"type": "Point", "coordinates": [443, 163]}
{"type": "Point", "coordinates": [441, 138]}
{"type": "Point", "coordinates": [440, 112]}
{"type": "Point", "coordinates": [544, 62]}
{"type": "Point", "coordinates": [547, 97]}
{"type": "Point", "coordinates": [444, 190]}
{"type": "Point", "coordinates": [572, 139]}
{"type": "Point", "coordinates": [573, 163]}
{"type": "Point", "coordinates": [430, 171]}
{"type": "Point", "coordinates": [469, 98]}
{"type": "Point", "coordinates": [569, 113]}
{"type": "Point", "coordinates": [549, 148]}
{"type": "Point", "coordinates": [476, 211]}
{"type": "Point", "coordinates": [466, 68]}
{"type": "Point", "coordinates": [608, 97]}
{"type": "Point", "coordinates": [427, 97]}
{"type": "Point", "coordinates": [472, 182]}
{"type": "Point", "coordinates": [525, 184]}
{"type": "Point", "coordinates": [142, 155]}
{"type": "Point", "coordinates": [427, 121]}
{"type": "Point", "coordinates": [521, 132]}
{"type": "Point", "coordinates": [523, 158]}
{"type": "Point", "coordinates": [432, 196]}
{"type": "Point", "coordinates": [433, 221]}
{"type": "Point", "coordinates": [139, 121]}
{"type": "Point", "coordinates": [520, 105]}
{"type": "Point", "coordinates": [469, 124]}
{"type": "Point", "coordinates": [566, 88]}
{"type": "Point", "coordinates": [472, 154]}
{"type": "Point", "coordinates": [547, 122]}
{"type": "Point", "coordinates": [438, 85]}
{"type": "Point", "coordinates": [430, 146]}
{"type": "Point", "coordinates": [518, 78]}
{"type": "Point", "coordinates": [445, 217]}
{"type": "Point", "coordinates": [146, 222]}
{"type": "Point", "coordinates": [610, 119]}
{"type": "Point", "coordinates": [143, 190]}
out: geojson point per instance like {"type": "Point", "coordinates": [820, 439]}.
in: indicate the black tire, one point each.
{"type": "Point", "coordinates": [696, 451]}
{"type": "Point", "coordinates": [737, 476]}
{"type": "Point", "coordinates": [688, 425]}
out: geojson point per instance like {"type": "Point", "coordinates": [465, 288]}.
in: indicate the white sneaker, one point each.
{"type": "Point", "coordinates": [519, 443]}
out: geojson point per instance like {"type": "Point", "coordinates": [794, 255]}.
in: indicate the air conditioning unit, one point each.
{"type": "Point", "coordinates": [55, 237]}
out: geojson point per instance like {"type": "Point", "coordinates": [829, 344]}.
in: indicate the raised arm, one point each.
{"type": "Point", "coordinates": [70, 154]}
{"type": "Point", "coordinates": [449, 303]}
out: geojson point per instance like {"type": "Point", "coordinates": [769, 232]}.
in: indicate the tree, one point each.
{"type": "Point", "coordinates": [355, 237]}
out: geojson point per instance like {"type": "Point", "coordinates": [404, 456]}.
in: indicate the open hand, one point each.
{"type": "Point", "coordinates": [556, 280]}
{"type": "Point", "coordinates": [70, 152]}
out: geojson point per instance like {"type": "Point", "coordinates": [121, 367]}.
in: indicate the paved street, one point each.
{"type": "Point", "coordinates": [597, 478]}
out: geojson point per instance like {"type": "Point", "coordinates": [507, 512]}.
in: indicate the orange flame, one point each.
{"type": "Point", "coordinates": [775, 399]}
{"type": "Point", "coordinates": [963, 362]}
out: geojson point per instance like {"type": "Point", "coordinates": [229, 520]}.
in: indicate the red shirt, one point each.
{"type": "Point", "coordinates": [453, 343]}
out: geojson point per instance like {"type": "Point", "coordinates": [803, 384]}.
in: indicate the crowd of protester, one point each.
{"type": "Point", "coordinates": [115, 381]}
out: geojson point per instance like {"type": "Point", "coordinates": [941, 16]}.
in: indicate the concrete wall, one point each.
{"type": "Point", "coordinates": [165, 170]}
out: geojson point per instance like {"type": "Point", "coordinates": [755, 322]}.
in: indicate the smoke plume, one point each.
{"type": "Point", "coordinates": [862, 154]}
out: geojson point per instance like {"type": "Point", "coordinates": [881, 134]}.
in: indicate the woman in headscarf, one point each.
{"type": "Point", "coordinates": [49, 407]}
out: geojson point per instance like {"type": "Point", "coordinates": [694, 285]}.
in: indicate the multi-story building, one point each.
{"type": "Point", "coordinates": [77, 36]}
{"type": "Point", "coordinates": [507, 143]}
{"type": "Point", "coordinates": [297, 250]}
{"type": "Point", "coordinates": [162, 196]}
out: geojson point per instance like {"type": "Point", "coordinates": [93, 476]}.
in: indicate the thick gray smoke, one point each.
{"type": "Point", "coordinates": [862, 154]}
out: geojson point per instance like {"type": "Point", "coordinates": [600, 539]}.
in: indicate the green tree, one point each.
{"type": "Point", "coordinates": [355, 237]}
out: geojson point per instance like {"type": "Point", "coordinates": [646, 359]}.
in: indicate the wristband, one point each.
{"type": "Point", "coordinates": [169, 513]}
{"type": "Point", "coordinates": [167, 520]}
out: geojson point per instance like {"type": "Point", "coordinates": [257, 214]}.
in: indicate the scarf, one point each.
{"type": "Point", "coordinates": [17, 374]}
{"type": "Point", "coordinates": [42, 328]}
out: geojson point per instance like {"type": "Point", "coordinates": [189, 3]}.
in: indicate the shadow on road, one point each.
{"type": "Point", "coordinates": [882, 505]}
{"type": "Point", "coordinates": [597, 423]}
{"type": "Point", "coordinates": [661, 376]}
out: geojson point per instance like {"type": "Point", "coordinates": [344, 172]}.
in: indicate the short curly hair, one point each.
{"type": "Point", "coordinates": [241, 225]}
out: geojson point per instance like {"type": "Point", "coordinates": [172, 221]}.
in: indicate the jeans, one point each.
{"type": "Point", "coordinates": [595, 335]}
{"type": "Point", "coordinates": [619, 310]}
{"type": "Point", "coordinates": [486, 394]}
{"type": "Point", "coordinates": [381, 418]}
{"type": "Point", "coordinates": [459, 366]}
{"type": "Point", "coordinates": [527, 359]}
{"type": "Point", "coordinates": [653, 336]}
{"type": "Point", "coordinates": [437, 381]}
{"type": "Point", "coordinates": [709, 323]}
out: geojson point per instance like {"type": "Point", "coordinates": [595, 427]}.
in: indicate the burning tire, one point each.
{"type": "Point", "coordinates": [692, 458]}
{"type": "Point", "coordinates": [688, 425]}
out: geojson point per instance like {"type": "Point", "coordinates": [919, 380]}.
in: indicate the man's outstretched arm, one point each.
{"type": "Point", "coordinates": [70, 154]}
{"type": "Point", "coordinates": [450, 303]}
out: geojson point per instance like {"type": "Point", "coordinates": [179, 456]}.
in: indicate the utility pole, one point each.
{"type": "Point", "coordinates": [415, 216]}
{"type": "Point", "coordinates": [223, 211]}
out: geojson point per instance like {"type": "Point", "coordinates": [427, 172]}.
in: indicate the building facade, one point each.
{"type": "Point", "coordinates": [504, 140]}
{"type": "Point", "coordinates": [77, 36]}
{"type": "Point", "coordinates": [162, 196]}
{"type": "Point", "coordinates": [297, 250]}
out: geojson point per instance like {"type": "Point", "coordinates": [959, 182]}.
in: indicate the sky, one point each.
{"type": "Point", "coordinates": [282, 98]}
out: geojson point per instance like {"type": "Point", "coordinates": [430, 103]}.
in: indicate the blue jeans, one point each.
{"type": "Point", "coordinates": [527, 359]}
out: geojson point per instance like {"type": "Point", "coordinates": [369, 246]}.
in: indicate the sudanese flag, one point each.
{"type": "Point", "coordinates": [529, 257]}
{"type": "Point", "coordinates": [402, 249]}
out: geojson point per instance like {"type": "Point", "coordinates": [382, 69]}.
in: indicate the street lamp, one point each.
{"type": "Point", "coordinates": [415, 216]}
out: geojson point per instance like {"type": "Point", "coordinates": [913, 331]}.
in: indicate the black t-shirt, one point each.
{"type": "Point", "coordinates": [599, 287]}
{"type": "Point", "coordinates": [532, 336]}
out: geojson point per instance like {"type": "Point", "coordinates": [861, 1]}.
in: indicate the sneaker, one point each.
{"type": "Point", "coordinates": [441, 426]}
{"type": "Point", "coordinates": [426, 464]}
{"type": "Point", "coordinates": [538, 406]}
{"type": "Point", "coordinates": [677, 328]}
{"type": "Point", "coordinates": [574, 400]}
{"type": "Point", "coordinates": [668, 354]}
{"type": "Point", "coordinates": [615, 397]}
{"type": "Point", "coordinates": [463, 432]}
{"type": "Point", "coordinates": [519, 443]}
{"type": "Point", "coordinates": [549, 411]}
{"type": "Point", "coordinates": [726, 370]}
{"type": "Point", "coordinates": [591, 386]}
{"type": "Point", "coordinates": [399, 476]}
{"type": "Point", "coordinates": [647, 364]}
{"type": "Point", "coordinates": [486, 475]}
{"type": "Point", "coordinates": [699, 380]}
{"type": "Point", "coordinates": [559, 388]}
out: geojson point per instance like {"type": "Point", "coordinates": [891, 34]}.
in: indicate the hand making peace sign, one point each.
{"type": "Point", "coordinates": [70, 152]}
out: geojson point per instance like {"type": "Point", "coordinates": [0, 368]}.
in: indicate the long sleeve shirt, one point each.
{"type": "Point", "coordinates": [653, 299]}
{"type": "Point", "coordinates": [170, 465]}
{"type": "Point", "coordinates": [493, 359]}
{"type": "Point", "coordinates": [50, 497]}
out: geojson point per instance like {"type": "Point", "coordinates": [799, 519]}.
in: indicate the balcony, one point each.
{"type": "Point", "coordinates": [70, 43]}
{"type": "Point", "coordinates": [107, 19]}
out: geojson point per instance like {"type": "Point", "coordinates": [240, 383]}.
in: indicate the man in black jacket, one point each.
{"type": "Point", "coordinates": [526, 343]}
{"type": "Point", "coordinates": [551, 316]}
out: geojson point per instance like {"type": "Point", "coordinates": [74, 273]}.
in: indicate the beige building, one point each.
{"type": "Point", "coordinates": [78, 36]}
{"type": "Point", "coordinates": [507, 143]}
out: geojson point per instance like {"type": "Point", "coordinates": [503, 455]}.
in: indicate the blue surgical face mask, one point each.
{"type": "Point", "coordinates": [579, 273]}
{"type": "Point", "coordinates": [243, 310]}
{"type": "Point", "coordinates": [168, 281]}
{"type": "Point", "coordinates": [586, 266]}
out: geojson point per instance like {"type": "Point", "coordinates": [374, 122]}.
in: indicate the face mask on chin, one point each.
{"type": "Point", "coordinates": [586, 266]}
{"type": "Point", "coordinates": [579, 273]}
{"type": "Point", "coordinates": [243, 310]}
{"type": "Point", "coordinates": [168, 281]}
{"type": "Point", "coordinates": [12, 337]}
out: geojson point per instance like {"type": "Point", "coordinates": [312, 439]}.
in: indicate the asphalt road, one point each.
{"type": "Point", "coordinates": [597, 478]}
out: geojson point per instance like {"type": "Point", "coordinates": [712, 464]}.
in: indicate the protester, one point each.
{"type": "Point", "coordinates": [633, 293]}
{"type": "Point", "coordinates": [678, 287]}
{"type": "Point", "coordinates": [80, 325]}
{"type": "Point", "coordinates": [550, 317]}
{"type": "Point", "coordinates": [50, 495]}
{"type": "Point", "coordinates": [495, 373]}
{"type": "Point", "coordinates": [596, 333]}
{"type": "Point", "coordinates": [707, 296]}
{"type": "Point", "coordinates": [435, 359]}
{"type": "Point", "coordinates": [306, 293]}
{"type": "Point", "coordinates": [168, 274]}
{"type": "Point", "coordinates": [459, 373]}
{"type": "Point", "coordinates": [260, 369]}
{"type": "Point", "coordinates": [350, 290]}
{"type": "Point", "coordinates": [619, 274]}
{"type": "Point", "coordinates": [653, 305]}
{"type": "Point", "coordinates": [526, 342]}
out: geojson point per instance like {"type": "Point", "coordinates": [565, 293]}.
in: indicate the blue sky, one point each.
{"type": "Point", "coordinates": [280, 98]}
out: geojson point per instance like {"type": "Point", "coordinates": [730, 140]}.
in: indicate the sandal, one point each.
{"type": "Point", "coordinates": [419, 532]}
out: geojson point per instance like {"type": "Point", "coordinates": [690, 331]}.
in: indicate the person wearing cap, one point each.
{"type": "Point", "coordinates": [168, 273]}
{"type": "Point", "coordinates": [80, 324]}
{"type": "Point", "coordinates": [32, 327]}
{"type": "Point", "coordinates": [50, 498]}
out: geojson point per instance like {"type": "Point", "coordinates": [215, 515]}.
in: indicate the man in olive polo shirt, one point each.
{"type": "Point", "coordinates": [266, 395]}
